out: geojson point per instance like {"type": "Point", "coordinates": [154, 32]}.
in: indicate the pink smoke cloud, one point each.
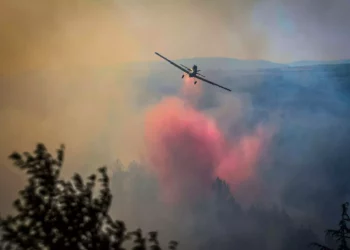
{"type": "Point", "coordinates": [183, 146]}
{"type": "Point", "coordinates": [187, 150]}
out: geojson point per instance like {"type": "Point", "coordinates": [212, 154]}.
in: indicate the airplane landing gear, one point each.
{"type": "Point", "coordinates": [182, 76]}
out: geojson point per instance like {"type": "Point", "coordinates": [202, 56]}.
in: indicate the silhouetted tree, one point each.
{"type": "Point", "coordinates": [340, 235]}
{"type": "Point", "coordinates": [173, 245]}
{"type": "Point", "coordinates": [57, 214]}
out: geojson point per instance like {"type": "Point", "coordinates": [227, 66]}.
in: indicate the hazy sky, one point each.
{"type": "Point", "coordinates": [53, 33]}
{"type": "Point", "coordinates": [277, 30]}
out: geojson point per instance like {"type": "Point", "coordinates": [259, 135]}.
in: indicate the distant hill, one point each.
{"type": "Point", "coordinates": [213, 63]}
{"type": "Point", "coordinates": [310, 63]}
{"type": "Point", "coordinates": [221, 63]}
{"type": "Point", "coordinates": [229, 63]}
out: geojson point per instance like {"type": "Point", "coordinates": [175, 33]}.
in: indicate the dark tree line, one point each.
{"type": "Point", "coordinates": [52, 213]}
{"type": "Point", "coordinates": [217, 220]}
{"type": "Point", "coordinates": [340, 235]}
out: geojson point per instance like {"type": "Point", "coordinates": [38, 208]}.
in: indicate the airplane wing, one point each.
{"type": "Point", "coordinates": [185, 67]}
{"type": "Point", "coordinates": [212, 83]}
{"type": "Point", "coordinates": [177, 66]}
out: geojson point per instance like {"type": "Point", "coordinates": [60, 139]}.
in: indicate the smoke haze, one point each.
{"type": "Point", "coordinates": [281, 137]}
{"type": "Point", "coordinates": [61, 82]}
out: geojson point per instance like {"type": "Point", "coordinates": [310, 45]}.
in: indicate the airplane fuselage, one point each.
{"type": "Point", "coordinates": [193, 71]}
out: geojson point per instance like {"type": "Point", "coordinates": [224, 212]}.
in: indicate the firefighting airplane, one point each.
{"type": "Point", "coordinates": [191, 72]}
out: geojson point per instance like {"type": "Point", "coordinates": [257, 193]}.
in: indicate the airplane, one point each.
{"type": "Point", "coordinates": [191, 72]}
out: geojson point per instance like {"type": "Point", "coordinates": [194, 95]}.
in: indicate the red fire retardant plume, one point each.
{"type": "Point", "coordinates": [187, 150]}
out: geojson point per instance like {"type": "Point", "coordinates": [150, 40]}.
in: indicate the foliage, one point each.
{"type": "Point", "coordinates": [57, 214]}
{"type": "Point", "coordinates": [341, 235]}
